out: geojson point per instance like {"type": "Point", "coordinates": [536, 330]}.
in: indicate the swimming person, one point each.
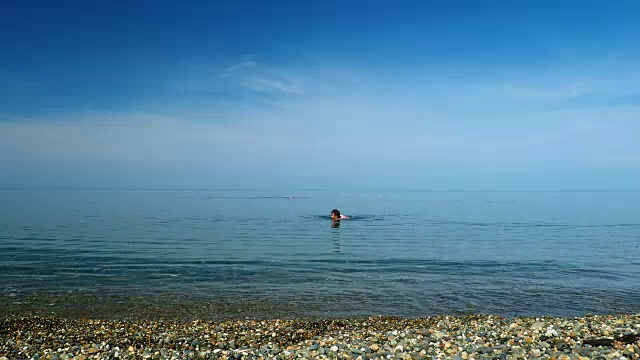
{"type": "Point", "coordinates": [336, 216]}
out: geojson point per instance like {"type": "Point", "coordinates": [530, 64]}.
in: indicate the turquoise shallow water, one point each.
{"type": "Point", "coordinates": [404, 253]}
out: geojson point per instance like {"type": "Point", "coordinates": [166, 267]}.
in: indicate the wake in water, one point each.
{"type": "Point", "coordinates": [351, 217]}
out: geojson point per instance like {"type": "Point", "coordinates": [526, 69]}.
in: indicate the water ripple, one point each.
{"type": "Point", "coordinates": [402, 253]}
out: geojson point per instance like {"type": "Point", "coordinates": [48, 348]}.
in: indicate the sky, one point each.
{"type": "Point", "coordinates": [434, 95]}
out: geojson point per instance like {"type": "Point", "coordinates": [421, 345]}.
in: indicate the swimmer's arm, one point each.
{"type": "Point", "coordinates": [344, 217]}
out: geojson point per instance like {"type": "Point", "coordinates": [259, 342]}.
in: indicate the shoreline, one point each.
{"type": "Point", "coordinates": [185, 308]}
{"type": "Point", "coordinates": [440, 337]}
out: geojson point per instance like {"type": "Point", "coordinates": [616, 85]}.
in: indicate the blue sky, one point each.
{"type": "Point", "coordinates": [316, 94]}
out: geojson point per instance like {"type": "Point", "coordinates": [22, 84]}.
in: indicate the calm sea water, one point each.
{"type": "Point", "coordinates": [261, 254]}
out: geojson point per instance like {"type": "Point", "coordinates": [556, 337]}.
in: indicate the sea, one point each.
{"type": "Point", "coordinates": [222, 254]}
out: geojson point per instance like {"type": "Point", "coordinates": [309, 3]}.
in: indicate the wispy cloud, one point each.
{"type": "Point", "coordinates": [329, 137]}
{"type": "Point", "coordinates": [235, 69]}
{"type": "Point", "coordinates": [370, 127]}
{"type": "Point", "coordinates": [261, 78]}
{"type": "Point", "coordinates": [142, 139]}
{"type": "Point", "coordinates": [248, 83]}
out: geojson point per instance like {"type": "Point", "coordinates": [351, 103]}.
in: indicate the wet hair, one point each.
{"type": "Point", "coordinates": [335, 212]}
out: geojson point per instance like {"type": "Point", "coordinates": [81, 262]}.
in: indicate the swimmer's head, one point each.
{"type": "Point", "coordinates": [335, 214]}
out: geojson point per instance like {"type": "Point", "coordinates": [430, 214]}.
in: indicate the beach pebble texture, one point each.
{"type": "Point", "coordinates": [437, 337]}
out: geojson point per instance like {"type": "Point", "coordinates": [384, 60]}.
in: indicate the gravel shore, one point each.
{"type": "Point", "coordinates": [437, 337]}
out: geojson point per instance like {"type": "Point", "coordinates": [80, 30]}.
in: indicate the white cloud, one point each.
{"type": "Point", "coordinates": [367, 121]}
{"type": "Point", "coordinates": [261, 78]}
{"type": "Point", "coordinates": [138, 139]}
{"type": "Point", "coordinates": [235, 69]}
{"type": "Point", "coordinates": [266, 84]}
{"type": "Point", "coordinates": [318, 137]}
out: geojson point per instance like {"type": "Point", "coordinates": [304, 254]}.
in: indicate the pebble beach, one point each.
{"type": "Point", "coordinates": [437, 337]}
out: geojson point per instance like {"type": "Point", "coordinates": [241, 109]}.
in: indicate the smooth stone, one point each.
{"type": "Point", "coordinates": [537, 353]}
{"type": "Point", "coordinates": [537, 325]}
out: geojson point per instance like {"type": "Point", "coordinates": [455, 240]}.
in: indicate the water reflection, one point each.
{"type": "Point", "coordinates": [335, 236]}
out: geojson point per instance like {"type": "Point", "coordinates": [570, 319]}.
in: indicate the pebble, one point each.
{"type": "Point", "coordinates": [460, 338]}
